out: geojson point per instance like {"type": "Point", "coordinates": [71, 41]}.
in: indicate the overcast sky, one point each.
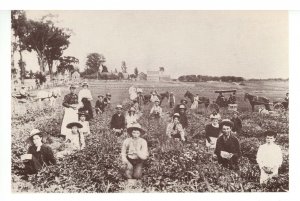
{"type": "Point", "coordinates": [251, 44]}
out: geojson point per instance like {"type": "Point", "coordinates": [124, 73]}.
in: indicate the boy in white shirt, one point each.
{"type": "Point", "coordinates": [269, 157]}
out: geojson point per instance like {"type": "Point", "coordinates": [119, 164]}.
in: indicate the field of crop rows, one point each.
{"type": "Point", "coordinates": [172, 166]}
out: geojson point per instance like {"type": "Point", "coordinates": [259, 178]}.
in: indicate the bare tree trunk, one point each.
{"type": "Point", "coordinates": [22, 67]}
{"type": "Point", "coordinates": [50, 65]}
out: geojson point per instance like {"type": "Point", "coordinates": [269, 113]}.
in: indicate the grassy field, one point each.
{"type": "Point", "coordinates": [172, 166]}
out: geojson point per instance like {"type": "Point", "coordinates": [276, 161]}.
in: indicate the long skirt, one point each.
{"type": "Point", "coordinates": [194, 106]}
{"type": "Point", "coordinates": [69, 117]}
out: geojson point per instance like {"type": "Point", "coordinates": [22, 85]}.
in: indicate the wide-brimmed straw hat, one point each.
{"type": "Point", "coordinates": [85, 84]}
{"type": "Point", "coordinates": [182, 107]}
{"type": "Point", "coordinates": [119, 106]}
{"type": "Point", "coordinates": [135, 126]}
{"type": "Point", "coordinates": [72, 86]}
{"type": "Point", "coordinates": [77, 124]}
{"type": "Point", "coordinates": [83, 113]}
{"type": "Point", "coordinates": [226, 122]}
{"type": "Point", "coordinates": [132, 109]}
{"type": "Point", "coordinates": [215, 116]}
{"type": "Point", "coordinates": [34, 132]}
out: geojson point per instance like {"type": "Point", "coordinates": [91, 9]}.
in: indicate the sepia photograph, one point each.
{"type": "Point", "coordinates": [149, 101]}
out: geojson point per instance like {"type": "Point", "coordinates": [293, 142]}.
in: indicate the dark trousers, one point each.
{"type": "Point", "coordinates": [136, 171]}
{"type": "Point", "coordinates": [32, 166]}
{"type": "Point", "coordinates": [231, 163]}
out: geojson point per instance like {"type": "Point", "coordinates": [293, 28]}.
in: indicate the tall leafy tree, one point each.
{"type": "Point", "coordinates": [19, 25]}
{"type": "Point", "coordinates": [94, 61]}
{"type": "Point", "coordinates": [48, 41]}
{"type": "Point", "coordinates": [67, 63]}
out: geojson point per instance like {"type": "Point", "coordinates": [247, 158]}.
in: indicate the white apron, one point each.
{"type": "Point", "coordinates": [213, 140]}
{"type": "Point", "coordinates": [69, 117]}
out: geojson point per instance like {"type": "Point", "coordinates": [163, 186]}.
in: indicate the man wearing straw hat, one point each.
{"type": "Point", "coordinates": [38, 154]}
{"type": "Point", "coordinates": [134, 153]}
{"type": "Point", "coordinates": [70, 104]}
{"type": "Point", "coordinates": [227, 146]}
{"type": "Point", "coordinates": [86, 93]}
{"type": "Point", "coordinates": [118, 123]}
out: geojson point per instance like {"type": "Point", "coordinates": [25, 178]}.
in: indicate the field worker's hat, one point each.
{"type": "Point", "coordinates": [132, 109]}
{"type": "Point", "coordinates": [176, 115]}
{"type": "Point", "coordinates": [215, 116]}
{"type": "Point", "coordinates": [140, 90]}
{"type": "Point", "coordinates": [72, 86]}
{"type": "Point", "coordinates": [182, 107]}
{"type": "Point", "coordinates": [153, 93]}
{"type": "Point", "coordinates": [226, 122]}
{"type": "Point", "coordinates": [171, 92]}
{"type": "Point", "coordinates": [108, 94]}
{"type": "Point", "coordinates": [84, 84]}
{"type": "Point", "coordinates": [83, 113]}
{"type": "Point", "coordinates": [77, 124]}
{"type": "Point", "coordinates": [100, 96]}
{"type": "Point", "coordinates": [135, 126]}
{"type": "Point", "coordinates": [34, 132]}
{"type": "Point", "coordinates": [119, 106]}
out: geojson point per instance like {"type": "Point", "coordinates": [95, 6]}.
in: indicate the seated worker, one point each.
{"type": "Point", "coordinates": [174, 128]}
{"type": "Point", "coordinates": [38, 154]}
{"type": "Point", "coordinates": [118, 123]}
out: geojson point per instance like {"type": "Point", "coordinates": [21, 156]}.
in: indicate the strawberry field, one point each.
{"type": "Point", "coordinates": [172, 166]}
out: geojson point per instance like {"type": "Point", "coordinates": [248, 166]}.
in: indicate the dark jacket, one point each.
{"type": "Point", "coordinates": [117, 121]}
{"type": "Point", "coordinates": [100, 104]}
{"type": "Point", "coordinates": [70, 99]}
{"type": "Point", "coordinates": [44, 156]}
{"type": "Point", "coordinates": [231, 145]}
{"type": "Point", "coordinates": [211, 131]}
{"type": "Point", "coordinates": [237, 125]}
{"type": "Point", "coordinates": [183, 120]}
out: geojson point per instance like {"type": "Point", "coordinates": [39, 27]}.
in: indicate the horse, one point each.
{"type": "Point", "coordinates": [162, 96]}
{"type": "Point", "coordinates": [201, 100]}
{"type": "Point", "coordinates": [257, 100]}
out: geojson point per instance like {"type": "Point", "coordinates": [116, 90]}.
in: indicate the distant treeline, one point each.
{"type": "Point", "coordinates": [269, 79]}
{"type": "Point", "coordinates": [205, 78]}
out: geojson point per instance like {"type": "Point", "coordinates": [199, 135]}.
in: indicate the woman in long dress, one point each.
{"type": "Point", "coordinates": [70, 104]}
